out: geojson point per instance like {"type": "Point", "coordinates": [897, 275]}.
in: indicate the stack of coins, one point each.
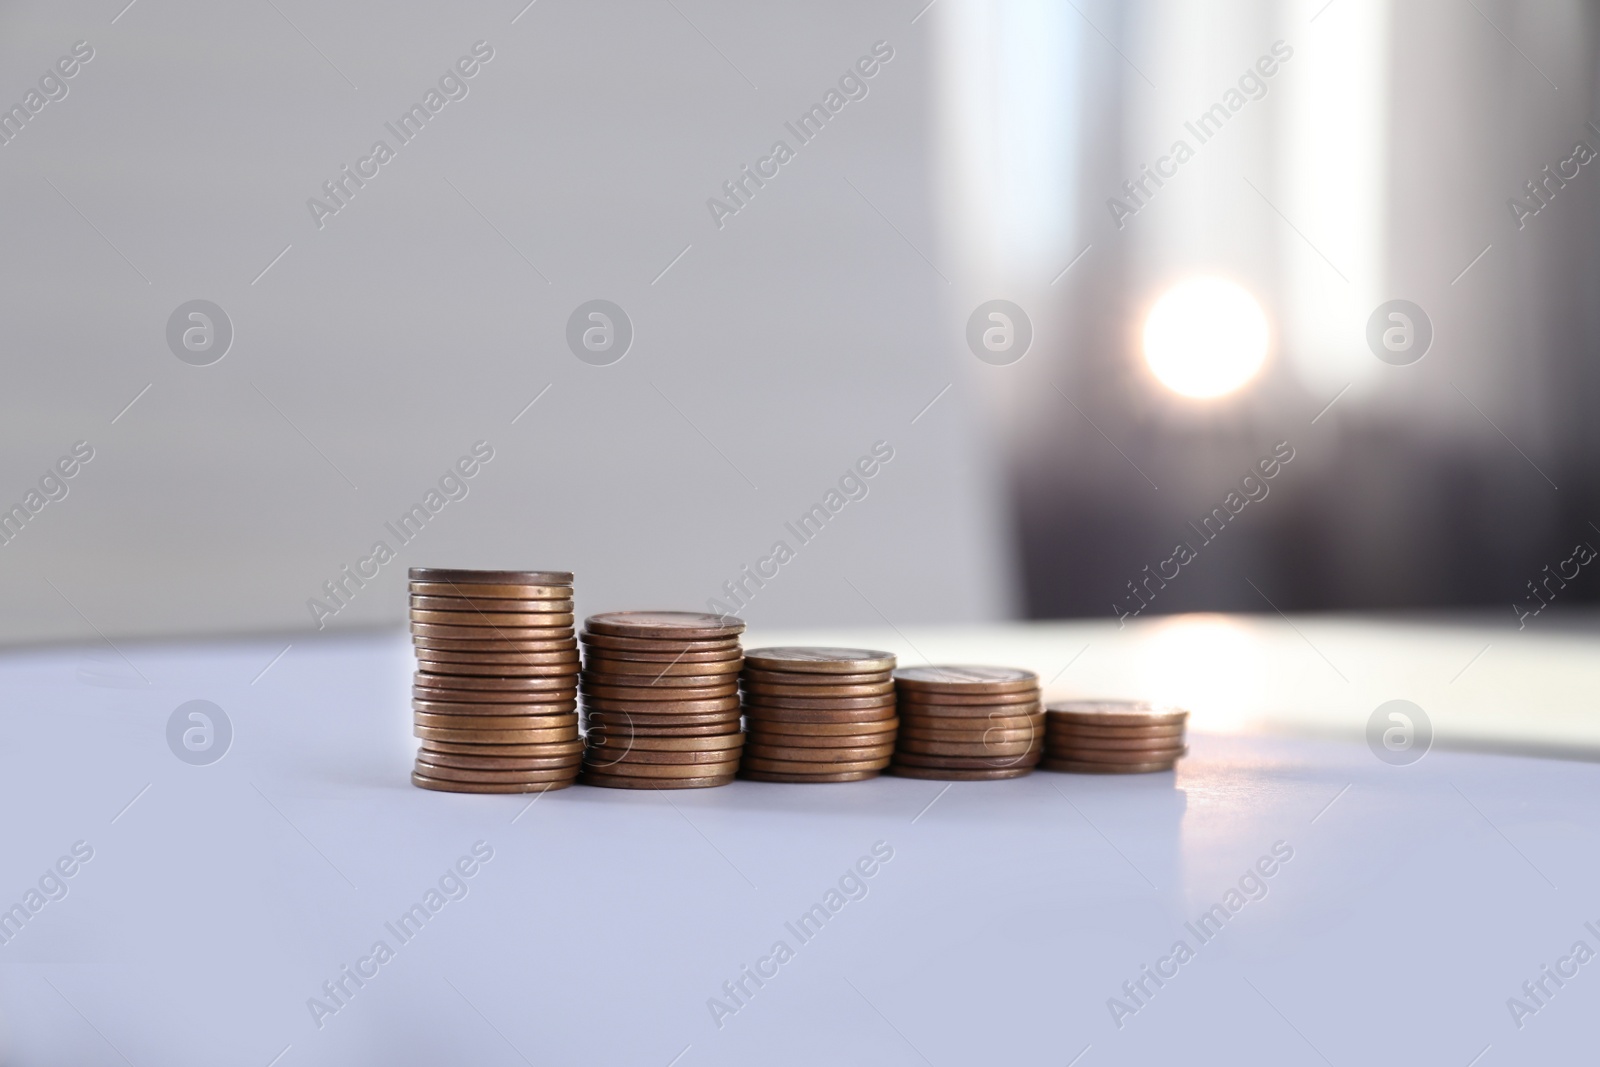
{"type": "Point", "coordinates": [818, 714]}
{"type": "Point", "coordinates": [495, 695]}
{"type": "Point", "coordinates": [1113, 736]}
{"type": "Point", "coordinates": [967, 723]}
{"type": "Point", "coordinates": [661, 692]}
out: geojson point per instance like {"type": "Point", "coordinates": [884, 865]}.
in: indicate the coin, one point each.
{"type": "Point", "coordinates": [1077, 767]}
{"type": "Point", "coordinates": [923, 698]}
{"type": "Point", "coordinates": [500, 620]}
{"type": "Point", "coordinates": [553, 627]}
{"type": "Point", "coordinates": [495, 737]}
{"type": "Point", "coordinates": [768, 776]}
{"type": "Point", "coordinates": [762, 690]}
{"type": "Point", "coordinates": [994, 735]}
{"type": "Point", "coordinates": [536, 749]}
{"type": "Point", "coordinates": [821, 703]}
{"type": "Point", "coordinates": [646, 670]}
{"type": "Point", "coordinates": [456, 707]}
{"type": "Point", "coordinates": [492, 605]}
{"type": "Point", "coordinates": [498, 670]}
{"type": "Point", "coordinates": [1059, 728]}
{"type": "Point", "coordinates": [822, 729]}
{"type": "Point", "coordinates": [674, 770]}
{"type": "Point", "coordinates": [1148, 755]}
{"type": "Point", "coordinates": [556, 658]}
{"type": "Point", "coordinates": [981, 748]}
{"type": "Point", "coordinates": [495, 722]}
{"type": "Point", "coordinates": [564, 645]}
{"type": "Point", "coordinates": [475, 577]}
{"type": "Point", "coordinates": [916, 759]}
{"type": "Point", "coordinates": [494, 684]}
{"type": "Point", "coordinates": [826, 715]}
{"type": "Point", "coordinates": [817, 754]}
{"type": "Point", "coordinates": [717, 659]}
{"type": "Point", "coordinates": [1114, 713]}
{"type": "Point", "coordinates": [820, 660]}
{"type": "Point", "coordinates": [616, 757]}
{"type": "Point", "coordinates": [619, 643]}
{"type": "Point", "coordinates": [445, 786]}
{"type": "Point", "coordinates": [498, 763]}
{"type": "Point", "coordinates": [754, 675]}
{"type": "Point", "coordinates": [623, 732]}
{"type": "Point", "coordinates": [663, 689]}
{"type": "Point", "coordinates": [687, 708]}
{"type": "Point", "coordinates": [485, 591]}
{"type": "Point", "coordinates": [448, 773]}
{"type": "Point", "coordinates": [658, 625]}
{"type": "Point", "coordinates": [963, 723]}
{"type": "Point", "coordinates": [1114, 744]}
{"type": "Point", "coordinates": [958, 775]}
{"type": "Point", "coordinates": [776, 766]}
{"type": "Point", "coordinates": [614, 781]}
{"type": "Point", "coordinates": [716, 743]}
{"type": "Point", "coordinates": [966, 679]}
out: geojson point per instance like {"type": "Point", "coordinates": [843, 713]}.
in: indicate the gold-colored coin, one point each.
{"type": "Point", "coordinates": [665, 625]}
{"type": "Point", "coordinates": [445, 786]}
{"type": "Point", "coordinates": [615, 781]}
{"type": "Point", "coordinates": [821, 660]}
{"type": "Point", "coordinates": [453, 576]}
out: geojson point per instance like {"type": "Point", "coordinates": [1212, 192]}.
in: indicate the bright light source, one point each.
{"type": "Point", "coordinates": [1205, 337]}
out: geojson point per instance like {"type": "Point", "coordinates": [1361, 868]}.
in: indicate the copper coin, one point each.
{"type": "Point", "coordinates": [492, 605]}
{"type": "Point", "coordinates": [559, 627]}
{"type": "Point", "coordinates": [620, 734]}
{"type": "Point", "coordinates": [820, 745]}
{"type": "Point", "coordinates": [715, 743]}
{"type": "Point", "coordinates": [498, 670]}
{"type": "Point", "coordinates": [821, 660]}
{"type": "Point", "coordinates": [922, 719]}
{"type": "Point", "coordinates": [472, 577]}
{"type": "Point", "coordinates": [517, 685]}
{"type": "Point", "coordinates": [966, 679]}
{"type": "Point", "coordinates": [986, 700]}
{"type": "Point", "coordinates": [719, 659]}
{"type": "Point", "coordinates": [811, 715]}
{"type": "Point", "coordinates": [818, 754]}
{"type": "Point", "coordinates": [562, 645]}
{"type": "Point", "coordinates": [992, 735]}
{"type": "Point", "coordinates": [797, 779]}
{"type": "Point", "coordinates": [608, 757]}
{"type": "Point", "coordinates": [615, 781]}
{"type": "Point", "coordinates": [953, 774]}
{"type": "Point", "coordinates": [1114, 713]}
{"type": "Point", "coordinates": [821, 703]}
{"type": "Point", "coordinates": [687, 708]}
{"type": "Point", "coordinates": [776, 766]}
{"type": "Point", "coordinates": [499, 620]}
{"type": "Point", "coordinates": [559, 656]}
{"type": "Point", "coordinates": [1147, 755]}
{"type": "Point", "coordinates": [663, 689]}
{"type": "Point", "coordinates": [673, 770]}
{"type": "Point", "coordinates": [468, 707]}
{"type": "Point", "coordinates": [646, 670]}
{"type": "Point", "coordinates": [665, 625]}
{"type": "Point", "coordinates": [484, 591]}
{"type": "Point", "coordinates": [447, 773]}
{"type": "Point", "coordinates": [443, 786]}
{"type": "Point", "coordinates": [1077, 767]}
{"type": "Point", "coordinates": [978, 748]}
{"type": "Point", "coordinates": [539, 749]}
{"type": "Point", "coordinates": [440, 695]}
{"type": "Point", "coordinates": [649, 717]}
{"type": "Point", "coordinates": [495, 722]}
{"type": "Point", "coordinates": [915, 759]}
{"type": "Point", "coordinates": [495, 737]}
{"type": "Point", "coordinates": [498, 763]}
{"type": "Point", "coordinates": [1113, 744]}
{"type": "Point", "coordinates": [821, 729]}
{"type": "Point", "coordinates": [764, 690]}
{"type": "Point", "coordinates": [617, 643]}
{"type": "Point", "coordinates": [1059, 728]}
{"type": "Point", "coordinates": [751, 674]}
{"type": "Point", "coordinates": [971, 713]}
{"type": "Point", "coordinates": [663, 726]}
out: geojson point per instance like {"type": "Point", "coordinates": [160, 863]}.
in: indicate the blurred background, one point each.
{"type": "Point", "coordinates": [1085, 273]}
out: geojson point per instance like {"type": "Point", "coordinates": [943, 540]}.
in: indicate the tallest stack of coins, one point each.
{"type": "Point", "coordinates": [495, 695]}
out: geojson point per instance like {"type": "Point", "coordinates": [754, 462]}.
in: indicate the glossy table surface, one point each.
{"type": "Point", "coordinates": [1333, 907]}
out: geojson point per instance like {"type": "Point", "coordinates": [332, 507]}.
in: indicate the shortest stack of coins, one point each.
{"type": "Point", "coordinates": [661, 692]}
{"type": "Point", "coordinates": [967, 723]}
{"type": "Point", "coordinates": [495, 695]}
{"type": "Point", "coordinates": [1113, 736]}
{"type": "Point", "coordinates": [818, 714]}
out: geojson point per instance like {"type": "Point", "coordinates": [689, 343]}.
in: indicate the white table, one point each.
{"type": "Point", "coordinates": [220, 898]}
